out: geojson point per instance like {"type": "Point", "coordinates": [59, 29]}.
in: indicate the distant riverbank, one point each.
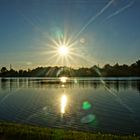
{"type": "Point", "coordinates": [107, 70]}
{"type": "Point", "coordinates": [12, 131]}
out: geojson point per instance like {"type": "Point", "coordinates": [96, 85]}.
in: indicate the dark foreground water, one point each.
{"type": "Point", "coordinates": [109, 105]}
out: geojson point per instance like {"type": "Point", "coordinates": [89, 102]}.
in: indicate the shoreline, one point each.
{"type": "Point", "coordinates": [10, 131]}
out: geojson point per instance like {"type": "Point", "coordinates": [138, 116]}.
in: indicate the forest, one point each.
{"type": "Point", "coordinates": [107, 70]}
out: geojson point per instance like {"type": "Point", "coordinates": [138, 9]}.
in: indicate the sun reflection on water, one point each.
{"type": "Point", "coordinates": [63, 79]}
{"type": "Point", "coordinates": [63, 103]}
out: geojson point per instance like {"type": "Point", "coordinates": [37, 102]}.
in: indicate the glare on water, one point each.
{"type": "Point", "coordinates": [63, 103]}
{"type": "Point", "coordinates": [63, 79]}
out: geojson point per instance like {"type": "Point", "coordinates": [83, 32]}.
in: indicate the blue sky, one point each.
{"type": "Point", "coordinates": [106, 31]}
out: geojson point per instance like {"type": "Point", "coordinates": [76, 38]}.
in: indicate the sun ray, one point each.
{"type": "Point", "coordinates": [63, 50]}
{"type": "Point", "coordinates": [51, 58]}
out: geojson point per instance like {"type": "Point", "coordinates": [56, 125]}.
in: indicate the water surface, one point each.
{"type": "Point", "coordinates": [109, 105]}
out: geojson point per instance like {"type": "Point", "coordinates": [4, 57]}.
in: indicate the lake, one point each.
{"type": "Point", "coordinates": [110, 105]}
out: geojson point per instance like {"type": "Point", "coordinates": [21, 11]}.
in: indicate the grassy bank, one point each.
{"type": "Point", "coordinates": [11, 131]}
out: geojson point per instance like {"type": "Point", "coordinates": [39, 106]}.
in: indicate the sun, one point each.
{"type": "Point", "coordinates": [63, 50]}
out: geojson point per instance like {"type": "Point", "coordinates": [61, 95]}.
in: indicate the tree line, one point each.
{"type": "Point", "coordinates": [95, 71]}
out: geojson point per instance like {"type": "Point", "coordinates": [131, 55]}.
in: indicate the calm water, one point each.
{"type": "Point", "coordinates": [88, 104]}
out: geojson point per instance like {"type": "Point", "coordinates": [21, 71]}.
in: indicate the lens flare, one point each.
{"type": "Point", "coordinates": [88, 119]}
{"type": "Point", "coordinates": [86, 105]}
{"type": "Point", "coordinates": [63, 51]}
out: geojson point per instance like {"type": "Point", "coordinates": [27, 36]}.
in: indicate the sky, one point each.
{"type": "Point", "coordinates": [98, 32]}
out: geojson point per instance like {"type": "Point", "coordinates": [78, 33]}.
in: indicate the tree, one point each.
{"type": "Point", "coordinates": [4, 70]}
{"type": "Point", "coordinates": [116, 65]}
{"type": "Point", "coordinates": [107, 66]}
{"type": "Point", "coordinates": [138, 63]}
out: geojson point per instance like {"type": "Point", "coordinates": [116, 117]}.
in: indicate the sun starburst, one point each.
{"type": "Point", "coordinates": [62, 50]}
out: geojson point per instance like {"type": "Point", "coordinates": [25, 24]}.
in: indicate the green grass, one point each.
{"type": "Point", "coordinates": [11, 131]}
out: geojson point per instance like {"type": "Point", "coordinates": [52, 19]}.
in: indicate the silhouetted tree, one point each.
{"type": "Point", "coordinates": [95, 71]}
{"type": "Point", "coordinates": [107, 66]}
{"type": "Point", "coordinates": [138, 63]}
{"type": "Point", "coordinates": [3, 70]}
